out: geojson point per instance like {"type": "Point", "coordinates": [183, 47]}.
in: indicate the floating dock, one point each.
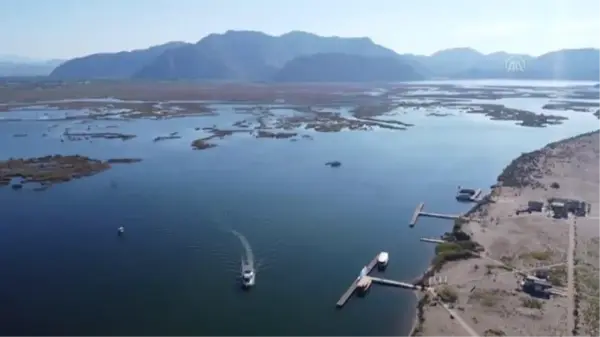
{"type": "Point", "coordinates": [365, 281]}
{"type": "Point", "coordinates": [416, 214]}
{"type": "Point", "coordinates": [346, 296]}
{"type": "Point", "coordinates": [419, 212]}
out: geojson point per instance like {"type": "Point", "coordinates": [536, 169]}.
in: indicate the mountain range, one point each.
{"type": "Point", "coordinates": [306, 57]}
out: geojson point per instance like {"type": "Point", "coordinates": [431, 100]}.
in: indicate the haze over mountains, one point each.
{"type": "Point", "coordinates": [14, 65]}
{"type": "Point", "coordinates": [305, 57]}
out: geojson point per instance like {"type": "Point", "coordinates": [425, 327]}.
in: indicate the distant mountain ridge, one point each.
{"type": "Point", "coordinates": [234, 55]}
{"type": "Point", "coordinates": [12, 65]}
{"type": "Point", "coordinates": [300, 56]}
{"type": "Point", "coordinates": [112, 65]}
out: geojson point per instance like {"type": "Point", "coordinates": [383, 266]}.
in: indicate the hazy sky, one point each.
{"type": "Point", "coordinates": [69, 28]}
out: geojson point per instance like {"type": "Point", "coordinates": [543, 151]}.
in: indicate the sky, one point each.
{"type": "Point", "coordinates": [47, 29]}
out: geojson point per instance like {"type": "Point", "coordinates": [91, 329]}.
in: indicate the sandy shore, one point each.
{"type": "Point", "coordinates": [482, 294]}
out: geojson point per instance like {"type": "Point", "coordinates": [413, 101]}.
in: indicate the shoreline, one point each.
{"type": "Point", "coordinates": [419, 319]}
{"type": "Point", "coordinates": [513, 177]}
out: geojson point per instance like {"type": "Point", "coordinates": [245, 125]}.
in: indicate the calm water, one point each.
{"type": "Point", "coordinates": [63, 269]}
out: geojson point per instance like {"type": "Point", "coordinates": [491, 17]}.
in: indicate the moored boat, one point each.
{"type": "Point", "coordinates": [382, 260]}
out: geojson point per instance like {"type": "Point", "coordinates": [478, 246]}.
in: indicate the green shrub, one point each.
{"type": "Point", "coordinates": [533, 303]}
{"type": "Point", "coordinates": [448, 294]}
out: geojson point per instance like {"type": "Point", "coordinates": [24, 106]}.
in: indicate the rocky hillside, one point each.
{"type": "Point", "coordinates": [234, 55]}
{"type": "Point", "coordinates": [120, 65]}
{"type": "Point", "coordinates": [300, 56]}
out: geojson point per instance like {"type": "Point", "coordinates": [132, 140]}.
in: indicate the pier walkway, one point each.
{"type": "Point", "coordinates": [346, 296]}
{"type": "Point", "coordinates": [416, 214]}
{"type": "Point", "coordinates": [432, 240]}
{"type": "Point", "coordinates": [439, 215]}
{"type": "Point", "coordinates": [394, 283]}
{"type": "Point", "coordinates": [419, 212]}
{"type": "Point", "coordinates": [350, 291]}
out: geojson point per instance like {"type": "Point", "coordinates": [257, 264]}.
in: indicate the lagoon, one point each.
{"type": "Point", "coordinates": [312, 228]}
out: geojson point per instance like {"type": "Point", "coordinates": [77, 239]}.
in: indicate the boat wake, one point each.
{"type": "Point", "coordinates": [248, 272]}
{"type": "Point", "coordinates": [258, 260]}
{"type": "Point", "coordinates": [248, 258]}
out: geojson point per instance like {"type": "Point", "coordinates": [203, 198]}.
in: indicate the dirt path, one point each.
{"type": "Point", "coordinates": [571, 279]}
{"type": "Point", "coordinates": [456, 316]}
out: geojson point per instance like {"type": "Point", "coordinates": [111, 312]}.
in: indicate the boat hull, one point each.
{"type": "Point", "coordinates": [248, 283]}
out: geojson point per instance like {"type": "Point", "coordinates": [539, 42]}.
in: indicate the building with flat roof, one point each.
{"type": "Point", "coordinates": [536, 286]}
{"type": "Point", "coordinates": [564, 206]}
{"type": "Point", "coordinates": [535, 206]}
{"type": "Point", "coordinates": [559, 209]}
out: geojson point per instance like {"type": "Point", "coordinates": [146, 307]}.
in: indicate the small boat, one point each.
{"type": "Point", "coordinates": [363, 272]}
{"type": "Point", "coordinates": [363, 284]}
{"type": "Point", "coordinates": [382, 260]}
{"type": "Point", "coordinates": [248, 276]}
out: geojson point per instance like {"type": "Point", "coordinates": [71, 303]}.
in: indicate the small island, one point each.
{"type": "Point", "coordinates": [53, 169]}
{"type": "Point", "coordinates": [172, 135]}
{"type": "Point", "coordinates": [202, 144]}
{"type": "Point", "coordinates": [277, 135]}
{"type": "Point", "coordinates": [95, 135]}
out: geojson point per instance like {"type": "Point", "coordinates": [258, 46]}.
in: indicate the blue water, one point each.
{"type": "Point", "coordinates": [63, 269]}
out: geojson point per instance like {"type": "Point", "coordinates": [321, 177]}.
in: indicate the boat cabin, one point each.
{"type": "Point", "coordinates": [382, 259]}
{"type": "Point", "coordinates": [364, 283]}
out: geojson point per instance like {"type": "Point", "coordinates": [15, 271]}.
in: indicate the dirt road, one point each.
{"type": "Point", "coordinates": [456, 316]}
{"type": "Point", "coordinates": [571, 279]}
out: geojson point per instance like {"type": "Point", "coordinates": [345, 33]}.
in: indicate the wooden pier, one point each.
{"type": "Point", "coordinates": [432, 240]}
{"type": "Point", "coordinates": [394, 283]}
{"type": "Point", "coordinates": [346, 296]}
{"type": "Point", "coordinates": [440, 215]}
{"type": "Point", "coordinates": [419, 212]}
{"type": "Point", "coordinates": [416, 214]}
{"type": "Point", "coordinates": [366, 281]}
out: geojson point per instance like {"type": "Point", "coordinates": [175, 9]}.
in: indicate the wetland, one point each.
{"type": "Point", "coordinates": [122, 154]}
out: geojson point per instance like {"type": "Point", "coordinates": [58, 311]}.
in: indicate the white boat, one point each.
{"type": "Point", "coordinates": [248, 276]}
{"type": "Point", "coordinates": [382, 260]}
